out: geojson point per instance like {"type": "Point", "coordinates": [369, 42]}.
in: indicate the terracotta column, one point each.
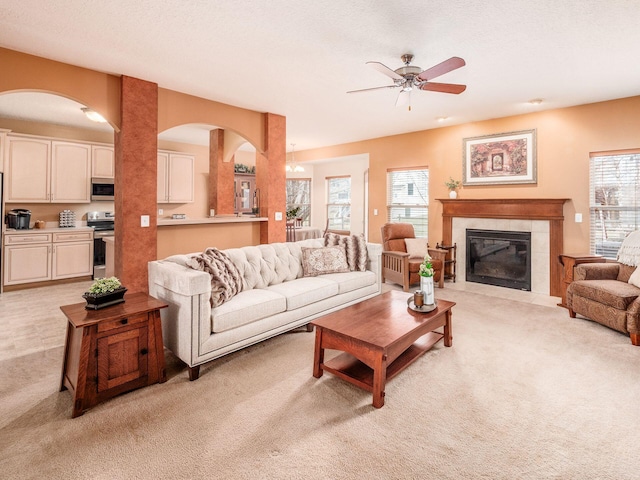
{"type": "Point", "coordinates": [136, 166]}
{"type": "Point", "coordinates": [221, 175]}
{"type": "Point", "coordinates": [271, 179]}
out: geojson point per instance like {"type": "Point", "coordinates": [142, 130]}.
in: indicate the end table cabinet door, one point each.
{"type": "Point", "coordinates": [122, 358]}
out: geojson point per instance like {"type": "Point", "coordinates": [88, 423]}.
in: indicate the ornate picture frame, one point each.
{"type": "Point", "coordinates": [500, 159]}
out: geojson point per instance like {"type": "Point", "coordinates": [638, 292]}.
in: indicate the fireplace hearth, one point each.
{"type": "Point", "coordinates": [501, 258]}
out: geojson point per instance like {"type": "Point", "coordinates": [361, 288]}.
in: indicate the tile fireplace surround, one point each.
{"type": "Point", "coordinates": [542, 217]}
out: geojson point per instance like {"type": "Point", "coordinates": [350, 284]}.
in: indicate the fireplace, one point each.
{"type": "Point", "coordinates": [501, 258]}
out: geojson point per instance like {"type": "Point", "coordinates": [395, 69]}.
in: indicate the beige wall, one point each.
{"type": "Point", "coordinates": [565, 137]}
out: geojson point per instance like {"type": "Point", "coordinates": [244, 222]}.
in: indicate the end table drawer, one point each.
{"type": "Point", "coordinates": [123, 322]}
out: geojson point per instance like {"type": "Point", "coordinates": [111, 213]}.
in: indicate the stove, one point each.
{"type": "Point", "coordinates": [102, 224]}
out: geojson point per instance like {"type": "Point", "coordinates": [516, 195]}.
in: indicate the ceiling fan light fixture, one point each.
{"type": "Point", "coordinates": [93, 115]}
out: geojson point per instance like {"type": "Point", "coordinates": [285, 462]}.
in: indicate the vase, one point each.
{"type": "Point", "coordinates": [96, 301]}
{"type": "Point", "coordinates": [426, 285]}
{"type": "Point", "coordinates": [453, 194]}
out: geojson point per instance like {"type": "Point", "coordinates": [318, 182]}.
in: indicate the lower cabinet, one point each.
{"type": "Point", "coordinates": [39, 257]}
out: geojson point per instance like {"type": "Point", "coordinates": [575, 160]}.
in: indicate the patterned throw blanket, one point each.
{"type": "Point", "coordinates": [629, 252]}
{"type": "Point", "coordinates": [226, 279]}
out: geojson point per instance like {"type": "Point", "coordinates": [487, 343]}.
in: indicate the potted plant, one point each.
{"type": "Point", "coordinates": [104, 292]}
{"type": "Point", "coordinates": [452, 185]}
{"type": "Point", "coordinates": [292, 213]}
{"type": "Point", "coordinates": [426, 280]}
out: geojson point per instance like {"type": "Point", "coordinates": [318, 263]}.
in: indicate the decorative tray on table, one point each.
{"type": "Point", "coordinates": [424, 308]}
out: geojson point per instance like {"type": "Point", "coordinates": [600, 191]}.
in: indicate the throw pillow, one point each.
{"type": "Point", "coordinates": [226, 279]}
{"type": "Point", "coordinates": [416, 248]}
{"type": "Point", "coordinates": [355, 248]}
{"type": "Point", "coordinates": [318, 261]}
{"type": "Point", "coordinates": [634, 279]}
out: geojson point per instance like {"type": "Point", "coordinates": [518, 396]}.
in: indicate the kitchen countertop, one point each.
{"type": "Point", "coordinates": [210, 220]}
{"type": "Point", "coordinates": [29, 231]}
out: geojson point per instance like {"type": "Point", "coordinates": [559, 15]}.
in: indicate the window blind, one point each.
{"type": "Point", "coordinates": [408, 198]}
{"type": "Point", "coordinates": [614, 200]}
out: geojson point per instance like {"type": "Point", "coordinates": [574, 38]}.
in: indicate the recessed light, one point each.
{"type": "Point", "coordinates": [441, 119]}
{"type": "Point", "coordinates": [535, 101]}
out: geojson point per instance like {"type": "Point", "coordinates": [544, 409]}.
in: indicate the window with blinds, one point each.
{"type": "Point", "coordinates": [339, 203]}
{"type": "Point", "coordinates": [614, 200]}
{"type": "Point", "coordinates": [299, 197]}
{"type": "Point", "coordinates": [408, 198]}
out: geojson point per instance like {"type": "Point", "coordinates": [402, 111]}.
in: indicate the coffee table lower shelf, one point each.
{"type": "Point", "coordinates": [352, 370]}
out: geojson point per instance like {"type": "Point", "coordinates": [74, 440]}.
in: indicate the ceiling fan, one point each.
{"type": "Point", "coordinates": [409, 76]}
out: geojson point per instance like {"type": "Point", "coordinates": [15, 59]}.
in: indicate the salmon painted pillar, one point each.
{"type": "Point", "coordinates": [221, 175]}
{"type": "Point", "coordinates": [136, 166]}
{"type": "Point", "coordinates": [271, 179]}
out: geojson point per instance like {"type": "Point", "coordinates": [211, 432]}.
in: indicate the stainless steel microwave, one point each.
{"type": "Point", "coordinates": [102, 189]}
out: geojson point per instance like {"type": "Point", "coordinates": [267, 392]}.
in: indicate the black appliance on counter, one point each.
{"type": "Point", "coordinates": [18, 218]}
{"type": "Point", "coordinates": [102, 223]}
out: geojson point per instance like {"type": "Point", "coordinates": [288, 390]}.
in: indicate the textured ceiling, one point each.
{"type": "Point", "coordinates": [299, 58]}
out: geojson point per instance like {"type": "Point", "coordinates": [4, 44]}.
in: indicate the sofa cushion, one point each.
{"type": "Point", "coordinates": [416, 248]}
{"type": "Point", "coordinates": [304, 291]}
{"type": "Point", "coordinates": [612, 293]}
{"type": "Point", "coordinates": [318, 261]}
{"type": "Point", "coordinates": [350, 281]}
{"type": "Point", "coordinates": [625, 272]}
{"type": "Point", "coordinates": [355, 247]}
{"type": "Point", "coordinates": [247, 307]}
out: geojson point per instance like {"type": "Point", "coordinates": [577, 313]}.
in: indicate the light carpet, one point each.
{"type": "Point", "coordinates": [524, 393]}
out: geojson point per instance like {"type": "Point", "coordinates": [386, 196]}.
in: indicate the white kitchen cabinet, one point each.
{"type": "Point", "coordinates": [41, 170]}
{"type": "Point", "coordinates": [175, 177]}
{"type": "Point", "coordinates": [102, 161]}
{"type": "Point", "coordinates": [70, 172]}
{"type": "Point", "coordinates": [72, 255]}
{"type": "Point", "coordinates": [27, 167]}
{"type": "Point", "coordinates": [38, 257]}
{"type": "Point", "coordinates": [27, 258]}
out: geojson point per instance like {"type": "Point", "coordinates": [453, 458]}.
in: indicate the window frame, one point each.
{"type": "Point", "coordinates": [305, 208]}
{"type": "Point", "coordinates": [344, 227]}
{"type": "Point", "coordinates": [416, 213]}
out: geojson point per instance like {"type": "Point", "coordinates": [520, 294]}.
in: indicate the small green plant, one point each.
{"type": "Point", "coordinates": [452, 184]}
{"type": "Point", "coordinates": [105, 285]}
{"type": "Point", "coordinates": [293, 212]}
{"type": "Point", "coordinates": [426, 268]}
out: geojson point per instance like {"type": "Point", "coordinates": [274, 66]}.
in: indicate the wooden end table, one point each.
{"type": "Point", "coordinates": [112, 350]}
{"type": "Point", "coordinates": [380, 337]}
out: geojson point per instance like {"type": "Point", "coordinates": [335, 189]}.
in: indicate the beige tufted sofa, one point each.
{"type": "Point", "coordinates": [276, 298]}
{"type": "Point", "coordinates": [602, 292]}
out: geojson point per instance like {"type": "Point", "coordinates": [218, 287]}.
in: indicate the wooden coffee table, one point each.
{"type": "Point", "coordinates": [380, 337]}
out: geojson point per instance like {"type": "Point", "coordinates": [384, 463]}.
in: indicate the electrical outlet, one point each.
{"type": "Point", "coordinates": [144, 220]}
{"type": "Point", "coordinates": [160, 211]}
{"type": "Point", "coordinates": [578, 218]}
{"type": "Point", "coordinates": [375, 211]}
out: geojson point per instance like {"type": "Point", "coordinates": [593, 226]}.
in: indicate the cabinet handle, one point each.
{"type": "Point", "coordinates": [144, 351]}
{"type": "Point", "coordinates": [124, 321]}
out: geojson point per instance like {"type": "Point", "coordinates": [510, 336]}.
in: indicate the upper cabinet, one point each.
{"type": "Point", "coordinates": [175, 177]}
{"type": "Point", "coordinates": [45, 171]}
{"type": "Point", "coordinates": [102, 161]}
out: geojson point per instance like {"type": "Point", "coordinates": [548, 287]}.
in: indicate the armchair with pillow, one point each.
{"type": "Point", "coordinates": [609, 293]}
{"type": "Point", "coordinates": [402, 254]}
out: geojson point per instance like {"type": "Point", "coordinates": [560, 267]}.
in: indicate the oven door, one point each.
{"type": "Point", "coordinates": [99, 253]}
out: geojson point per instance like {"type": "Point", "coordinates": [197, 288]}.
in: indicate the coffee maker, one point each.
{"type": "Point", "coordinates": [18, 218]}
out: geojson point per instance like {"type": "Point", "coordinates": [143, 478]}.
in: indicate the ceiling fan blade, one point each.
{"type": "Point", "coordinates": [442, 68]}
{"type": "Point", "coordinates": [443, 87]}
{"type": "Point", "coordinates": [404, 98]}
{"type": "Point", "coordinates": [373, 88]}
{"type": "Point", "coordinates": [385, 70]}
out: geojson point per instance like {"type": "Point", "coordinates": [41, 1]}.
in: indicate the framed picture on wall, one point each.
{"type": "Point", "coordinates": [500, 159]}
